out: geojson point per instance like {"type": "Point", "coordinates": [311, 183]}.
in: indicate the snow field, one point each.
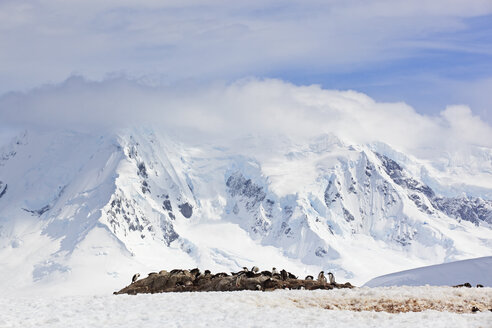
{"type": "Point", "coordinates": [248, 309]}
{"type": "Point", "coordinates": [474, 271]}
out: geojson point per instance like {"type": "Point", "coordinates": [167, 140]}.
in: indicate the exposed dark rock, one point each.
{"type": "Point", "coordinates": [3, 189]}
{"type": "Point", "coordinates": [145, 187]}
{"type": "Point", "coordinates": [238, 185]}
{"type": "Point", "coordinates": [186, 209]}
{"type": "Point", "coordinates": [40, 211]}
{"type": "Point", "coordinates": [395, 171]}
{"type": "Point", "coordinates": [169, 234]}
{"type": "Point", "coordinates": [320, 252]}
{"type": "Point", "coordinates": [347, 215]}
{"type": "Point", "coordinates": [420, 204]}
{"type": "Point", "coordinates": [142, 170]}
{"type": "Point", "coordinates": [166, 204]}
{"type": "Point", "coordinates": [470, 209]}
{"type": "Point", "coordinates": [331, 194]}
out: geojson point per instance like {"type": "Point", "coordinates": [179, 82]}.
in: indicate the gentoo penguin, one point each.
{"type": "Point", "coordinates": [274, 271]}
{"type": "Point", "coordinates": [195, 272]}
{"type": "Point", "coordinates": [321, 277]}
{"type": "Point", "coordinates": [309, 278]}
{"type": "Point", "coordinates": [331, 277]}
{"type": "Point", "coordinates": [255, 269]}
{"type": "Point", "coordinates": [135, 277]}
{"type": "Point", "coordinates": [220, 275]}
{"type": "Point", "coordinates": [238, 281]}
{"type": "Point", "coordinates": [284, 274]}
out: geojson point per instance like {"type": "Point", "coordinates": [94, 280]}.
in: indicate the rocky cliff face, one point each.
{"type": "Point", "coordinates": [323, 205]}
{"type": "Point", "coordinates": [473, 209]}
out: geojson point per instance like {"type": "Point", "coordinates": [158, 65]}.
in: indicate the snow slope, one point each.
{"type": "Point", "coordinates": [246, 309]}
{"type": "Point", "coordinates": [473, 271]}
{"type": "Point", "coordinates": [83, 212]}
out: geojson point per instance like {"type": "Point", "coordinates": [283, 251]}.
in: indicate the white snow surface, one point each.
{"type": "Point", "coordinates": [473, 271]}
{"type": "Point", "coordinates": [81, 213]}
{"type": "Point", "coordinates": [246, 309]}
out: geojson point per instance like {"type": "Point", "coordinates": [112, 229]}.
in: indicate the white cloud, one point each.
{"type": "Point", "coordinates": [46, 41]}
{"type": "Point", "coordinates": [258, 107]}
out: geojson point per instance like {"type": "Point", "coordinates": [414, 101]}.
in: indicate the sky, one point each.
{"type": "Point", "coordinates": [427, 54]}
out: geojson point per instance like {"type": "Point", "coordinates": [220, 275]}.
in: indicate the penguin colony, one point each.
{"type": "Point", "coordinates": [179, 280]}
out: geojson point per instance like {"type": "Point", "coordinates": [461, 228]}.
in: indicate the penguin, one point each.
{"type": "Point", "coordinates": [255, 269]}
{"type": "Point", "coordinates": [309, 278]}
{"type": "Point", "coordinates": [291, 276]}
{"type": "Point", "coordinates": [321, 277]}
{"type": "Point", "coordinates": [238, 281]}
{"type": "Point", "coordinates": [331, 277]}
{"type": "Point", "coordinates": [250, 274]}
{"type": "Point", "coordinates": [135, 277]}
{"type": "Point", "coordinates": [284, 274]}
{"type": "Point", "coordinates": [195, 272]}
{"type": "Point", "coordinates": [266, 273]}
{"type": "Point", "coordinates": [274, 270]}
{"type": "Point", "coordinates": [220, 275]}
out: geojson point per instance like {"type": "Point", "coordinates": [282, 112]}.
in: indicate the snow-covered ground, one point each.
{"type": "Point", "coordinates": [251, 309]}
{"type": "Point", "coordinates": [474, 271]}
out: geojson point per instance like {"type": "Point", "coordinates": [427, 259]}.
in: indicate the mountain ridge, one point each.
{"type": "Point", "coordinates": [327, 205]}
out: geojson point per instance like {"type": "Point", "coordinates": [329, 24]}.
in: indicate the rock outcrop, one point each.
{"type": "Point", "coordinates": [194, 281]}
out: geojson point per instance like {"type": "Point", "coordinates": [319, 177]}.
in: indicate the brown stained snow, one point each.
{"type": "Point", "coordinates": [401, 299]}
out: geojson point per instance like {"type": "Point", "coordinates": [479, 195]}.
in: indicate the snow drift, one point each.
{"type": "Point", "coordinates": [473, 271]}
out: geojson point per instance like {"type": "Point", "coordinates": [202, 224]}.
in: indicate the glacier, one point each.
{"type": "Point", "coordinates": [81, 207]}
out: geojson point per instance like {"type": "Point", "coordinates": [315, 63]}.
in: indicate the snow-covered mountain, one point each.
{"type": "Point", "coordinates": [78, 207]}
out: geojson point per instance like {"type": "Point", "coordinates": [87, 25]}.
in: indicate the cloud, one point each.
{"type": "Point", "coordinates": [46, 41]}
{"type": "Point", "coordinates": [229, 111]}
